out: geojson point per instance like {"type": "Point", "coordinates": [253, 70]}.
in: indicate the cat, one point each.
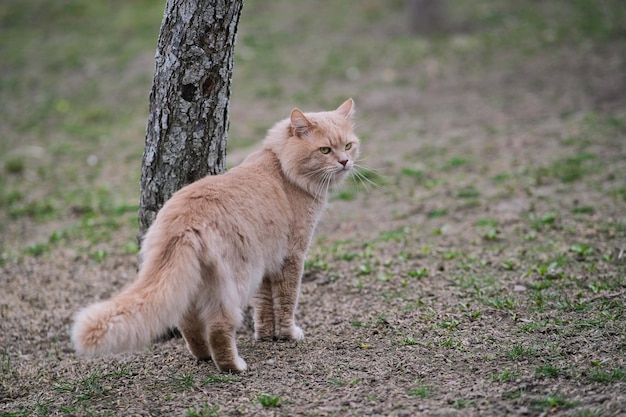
{"type": "Point", "coordinates": [227, 240]}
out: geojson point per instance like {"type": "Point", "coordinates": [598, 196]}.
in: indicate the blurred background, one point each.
{"type": "Point", "coordinates": [75, 78]}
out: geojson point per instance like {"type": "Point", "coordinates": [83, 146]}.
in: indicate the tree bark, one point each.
{"type": "Point", "coordinates": [188, 121]}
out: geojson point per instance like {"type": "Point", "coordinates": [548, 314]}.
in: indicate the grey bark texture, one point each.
{"type": "Point", "coordinates": [188, 121]}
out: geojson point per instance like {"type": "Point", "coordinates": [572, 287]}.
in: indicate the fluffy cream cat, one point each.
{"type": "Point", "coordinates": [227, 239]}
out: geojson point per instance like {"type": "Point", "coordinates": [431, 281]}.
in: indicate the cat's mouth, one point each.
{"type": "Point", "coordinates": [340, 174]}
{"type": "Point", "coordinates": [343, 170]}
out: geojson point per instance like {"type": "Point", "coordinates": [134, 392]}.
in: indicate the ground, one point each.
{"type": "Point", "coordinates": [478, 269]}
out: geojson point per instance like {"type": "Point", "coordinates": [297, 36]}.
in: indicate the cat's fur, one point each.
{"type": "Point", "coordinates": [227, 239]}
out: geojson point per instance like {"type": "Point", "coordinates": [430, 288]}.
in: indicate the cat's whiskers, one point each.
{"type": "Point", "coordinates": [335, 184]}
{"type": "Point", "coordinates": [362, 166]}
{"type": "Point", "coordinates": [362, 178]}
{"type": "Point", "coordinates": [316, 173]}
{"type": "Point", "coordinates": [319, 176]}
{"type": "Point", "coordinates": [358, 178]}
{"type": "Point", "coordinates": [324, 183]}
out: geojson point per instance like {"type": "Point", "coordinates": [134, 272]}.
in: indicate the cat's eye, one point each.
{"type": "Point", "coordinates": [348, 146]}
{"type": "Point", "coordinates": [325, 150]}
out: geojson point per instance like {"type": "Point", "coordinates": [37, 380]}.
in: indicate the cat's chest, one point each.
{"type": "Point", "coordinates": [305, 221]}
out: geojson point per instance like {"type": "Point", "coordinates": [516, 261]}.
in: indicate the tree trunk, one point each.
{"type": "Point", "coordinates": [188, 121]}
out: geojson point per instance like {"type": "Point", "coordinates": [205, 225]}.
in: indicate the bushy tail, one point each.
{"type": "Point", "coordinates": [168, 279]}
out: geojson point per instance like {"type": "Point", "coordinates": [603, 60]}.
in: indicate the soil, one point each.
{"type": "Point", "coordinates": [483, 273]}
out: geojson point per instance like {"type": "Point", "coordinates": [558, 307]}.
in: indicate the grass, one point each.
{"type": "Point", "coordinates": [573, 168]}
{"type": "Point", "coordinates": [440, 212]}
{"type": "Point", "coordinates": [221, 379]}
{"type": "Point", "coordinates": [95, 386]}
{"type": "Point", "coordinates": [408, 341]}
{"type": "Point", "coordinates": [553, 403]}
{"type": "Point", "coordinates": [420, 392]}
{"type": "Point", "coordinates": [520, 351]}
{"type": "Point", "coordinates": [182, 382]}
{"type": "Point", "coordinates": [608, 376]}
{"type": "Point", "coordinates": [269, 401]}
{"type": "Point", "coordinates": [508, 303]}
{"type": "Point", "coordinates": [549, 371]}
{"type": "Point", "coordinates": [468, 192]}
{"type": "Point", "coordinates": [412, 172]}
{"type": "Point", "coordinates": [593, 412]}
{"type": "Point", "coordinates": [504, 376]}
{"type": "Point", "coordinates": [51, 136]}
{"type": "Point", "coordinates": [418, 273]}
{"type": "Point", "coordinates": [204, 411]}
{"type": "Point", "coordinates": [462, 403]}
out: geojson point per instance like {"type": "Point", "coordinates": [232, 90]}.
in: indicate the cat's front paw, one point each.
{"type": "Point", "coordinates": [297, 333]}
{"type": "Point", "coordinates": [240, 364]}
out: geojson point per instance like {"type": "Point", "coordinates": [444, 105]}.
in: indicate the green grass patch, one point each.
{"type": "Point", "coordinates": [412, 172]}
{"type": "Point", "coordinates": [182, 382]}
{"type": "Point", "coordinates": [573, 168]}
{"type": "Point", "coordinates": [418, 273]}
{"type": "Point", "coordinates": [507, 303]}
{"type": "Point", "coordinates": [589, 210]}
{"type": "Point", "coordinates": [619, 193]}
{"type": "Point", "coordinates": [487, 223]}
{"type": "Point", "coordinates": [455, 162]}
{"type": "Point", "coordinates": [546, 220]}
{"type": "Point", "coordinates": [504, 376]}
{"type": "Point", "coordinates": [423, 391]}
{"type": "Point", "coordinates": [14, 165]}
{"type": "Point", "coordinates": [553, 403]}
{"type": "Point", "coordinates": [533, 326]}
{"type": "Point", "coordinates": [37, 249]}
{"type": "Point", "coordinates": [220, 379]}
{"type": "Point", "coordinates": [468, 193]}
{"type": "Point", "coordinates": [438, 212]}
{"type": "Point", "coordinates": [520, 351]}
{"type": "Point", "coordinates": [204, 411]}
{"type": "Point", "coordinates": [548, 371]}
{"type": "Point", "coordinates": [501, 177]}
{"type": "Point", "coordinates": [398, 235]}
{"type": "Point", "coordinates": [38, 210]}
{"type": "Point", "coordinates": [95, 385]}
{"type": "Point", "coordinates": [608, 376]}
{"type": "Point", "coordinates": [269, 401]}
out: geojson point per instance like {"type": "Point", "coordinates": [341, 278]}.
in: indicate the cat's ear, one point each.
{"type": "Point", "coordinates": [300, 125]}
{"type": "Point", "coordinates": [346, 109]}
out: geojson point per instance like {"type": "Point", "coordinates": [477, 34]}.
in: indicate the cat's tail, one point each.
{"type": "Point", "coordinates": [168, 279]}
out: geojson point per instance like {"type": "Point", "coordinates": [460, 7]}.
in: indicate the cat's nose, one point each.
{"type": "Point", "coordinates": [344, 162]}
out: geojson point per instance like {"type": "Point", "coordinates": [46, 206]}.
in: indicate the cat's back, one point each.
{"type": "Point", "coordinates": [249, 195]}
{"type": "Point", "coordinates": [257, 178]}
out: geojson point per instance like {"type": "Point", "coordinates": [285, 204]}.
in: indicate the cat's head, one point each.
{"type": "Point", "coordinates": [317, 150]}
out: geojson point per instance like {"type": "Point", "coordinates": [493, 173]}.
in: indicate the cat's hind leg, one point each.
{"type": "Point", "coordinates": [194, 330]}
{"type": "Point", "coordinates": [222, 342]}
{"type": "Point", "coordinates": [264, 326]}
